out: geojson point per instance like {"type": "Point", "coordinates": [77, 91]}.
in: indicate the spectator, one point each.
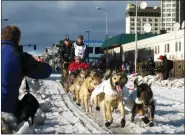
{"type": "Point", "coordinates": [130, 67]}
{"type": "Point", "coordinates": [144, 68]}
{"type": "Point", "coordinates": [167, 66]}
{"type": "Point", "coordinates": [80, 49]}
{"type": "Point", "coordinates": [77, 64]}
{"type": "Point", "coordinates": [151, 66]}
{"type": "Point", "coordinates": [15, 65]}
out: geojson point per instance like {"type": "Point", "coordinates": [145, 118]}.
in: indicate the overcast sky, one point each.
{"type": "Point", "coordinates": [47, 22]}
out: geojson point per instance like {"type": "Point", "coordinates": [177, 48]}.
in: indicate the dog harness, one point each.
{"type": "Point", "coordinates": [147, 108]}
{"type": "Point", "coordinates": [141, 101]}
{"type": "Point", "coordinates": [106, 88]}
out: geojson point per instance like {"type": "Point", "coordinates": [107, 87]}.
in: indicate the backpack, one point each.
{"type": "Point", "coordinates": [170, 64]}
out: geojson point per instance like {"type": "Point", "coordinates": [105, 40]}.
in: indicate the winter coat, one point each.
{"type": "Point", "coordinates": [15, 65]}
{"type": "Point", "coordinates": [74, 66]}
{"type": "Point", "coordinates": [80, 50]}
{"type": "Point", "coordinates": [66, 53]}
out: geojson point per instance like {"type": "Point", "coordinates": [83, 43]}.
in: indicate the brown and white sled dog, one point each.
{"type": "Point", "coordinates": [86, 89]}
{"type": "Point", "coordinates": [110, 95]}
{"type": "Point", "coordinates": [143, 102]}
{"type": "Point", "coordinates": [93, 75]}
{"type": "Point", "coordinates": [75, 87]}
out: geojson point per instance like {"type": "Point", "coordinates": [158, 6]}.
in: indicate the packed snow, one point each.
{"type": "Point", "coordinates": [59, 114]}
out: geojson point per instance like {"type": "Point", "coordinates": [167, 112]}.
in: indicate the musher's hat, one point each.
{"type": "Point", "coordinates": [66, 39]}
{"type": "Point", "coordinates": [80, 37]}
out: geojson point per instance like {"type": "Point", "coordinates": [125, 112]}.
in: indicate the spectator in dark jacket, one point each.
{"type": "Point", "coordinates": [15, 65]}
{"type": "Point", "coordinates": [80, 49]}
{"type": "Point", "coordinates": [131, 67]}
{"type": "Point", "coordinates": [167, 66]}
{"type": "Point", "coordinates": [151, 66]}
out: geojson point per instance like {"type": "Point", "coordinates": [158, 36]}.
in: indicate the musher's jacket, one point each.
{"type": "Point", "coordinates": [67, 53]}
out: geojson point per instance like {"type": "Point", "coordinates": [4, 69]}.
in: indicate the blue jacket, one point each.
{"type": "Point", "coordinates": [12, 72]}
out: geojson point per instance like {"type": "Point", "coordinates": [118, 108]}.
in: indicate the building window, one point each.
{"type": "Point", "coordinates": [173, 10]}
{"type": "Point", "coordinates": [179, 46]}
{"type": "Point", "coordinates": [155, 49]}
{"type": "Point", "coordinates": [176, 46]}
{"type": "Point", "coordinates": [168, 19]}
{"type": "Point", "coordinates": [181, 55]}
{"type": "Point", "coordinates": [168, 48]}
{"type": "Point", "coordinates": [168, 15]}
{"type": "Point", "coordinates": [168, 10]}
{"type": "Point", "coordinates": [158, 50]}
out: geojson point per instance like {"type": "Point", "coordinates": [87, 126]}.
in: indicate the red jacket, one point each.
{"type": "Point", "coordinates": [74, 66]}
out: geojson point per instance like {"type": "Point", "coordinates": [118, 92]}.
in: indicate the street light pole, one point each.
{"type": "Point", "coordinates": [106, 24]}
{"type": "Point", "coordinates": [106, 14]}
{"type": "Point", "coordinates": [106, 20]}
{"type": "Point", "coordinates": [88, 40]}
{"type": "Point", "coordinates": [136, 40]}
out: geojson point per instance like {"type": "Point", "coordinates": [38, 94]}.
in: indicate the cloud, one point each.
{"type": "Point", "coordinates": [46, 22]}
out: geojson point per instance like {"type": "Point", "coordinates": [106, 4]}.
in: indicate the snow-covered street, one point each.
{"type": "Point", "coordinates": [67, 117]}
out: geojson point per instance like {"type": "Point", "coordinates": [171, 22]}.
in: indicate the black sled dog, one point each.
{"type": "Point", "coordinates": [144, 104]}
{"type": "Point", "coordinates": [27, 107]}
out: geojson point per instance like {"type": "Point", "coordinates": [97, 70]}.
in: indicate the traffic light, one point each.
{"type": "Point", "coordinates": [46, 50]}
{"type": "Point", "coordinates": [35, 47]}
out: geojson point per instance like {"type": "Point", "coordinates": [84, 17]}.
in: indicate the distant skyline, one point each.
{"type": "Point", "coordinates": [46, 22]}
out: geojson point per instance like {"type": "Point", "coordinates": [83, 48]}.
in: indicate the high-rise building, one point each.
{"type": "Point", "coordinates": [150, 15]}
{"type": "Point", "coordinates": [172, 12]}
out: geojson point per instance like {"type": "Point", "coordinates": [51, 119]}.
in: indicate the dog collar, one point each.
{"type": "Point", "coordinates": [138, 101]}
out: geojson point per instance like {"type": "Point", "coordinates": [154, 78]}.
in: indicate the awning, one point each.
{"type": "Point", "coordinates": [124, 39]}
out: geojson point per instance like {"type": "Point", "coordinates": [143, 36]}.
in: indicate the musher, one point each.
{"type": "Point", "coordinates": [80, 49]}
{"type": "Point", "coordinates": [66, 57]}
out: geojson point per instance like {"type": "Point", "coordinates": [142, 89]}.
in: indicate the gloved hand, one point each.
{"type": "Point", "coordinates": [82, 60]}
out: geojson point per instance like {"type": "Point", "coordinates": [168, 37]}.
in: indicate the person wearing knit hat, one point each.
{"type": "Point", "coordinates": [161, 57]}
{"type": "Point", "coordinates": [80, 49]}
{"type": "Point", "coordinates": [167, 66]}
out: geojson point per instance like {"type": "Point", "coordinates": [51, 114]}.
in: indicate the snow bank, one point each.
{"type": "Point", "coordinates": [38, 90]}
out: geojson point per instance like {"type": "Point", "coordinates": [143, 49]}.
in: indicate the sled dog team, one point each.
{"type": "Point", "coordinates": [90, 90]}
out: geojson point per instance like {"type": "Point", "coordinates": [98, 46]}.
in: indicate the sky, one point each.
{"type": "Point", "coordinates": [46, 22]}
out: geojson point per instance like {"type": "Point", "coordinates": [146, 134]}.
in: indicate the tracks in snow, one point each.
{"type": "Point", "coordinates": [84, 119]}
